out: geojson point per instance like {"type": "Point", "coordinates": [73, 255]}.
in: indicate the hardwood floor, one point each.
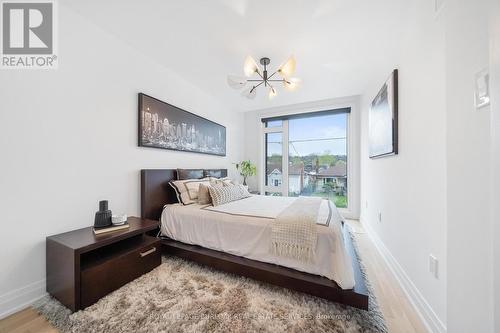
{"type": "Point", "coordinates": [398, 312]}
{"type": "Point", "coordinates": [26, 321]}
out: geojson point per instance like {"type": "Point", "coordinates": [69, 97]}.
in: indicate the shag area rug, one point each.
{"type": "Point", "coordinates": [181, 296]}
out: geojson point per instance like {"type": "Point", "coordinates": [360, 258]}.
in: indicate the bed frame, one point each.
{"type": "Point", "coordinates": [156, 192]}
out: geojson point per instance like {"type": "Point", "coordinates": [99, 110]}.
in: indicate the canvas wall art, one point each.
{"type": "Point", "coordinates": [383, 120]}
{"type": "Point", "coordinates": [165, 126]}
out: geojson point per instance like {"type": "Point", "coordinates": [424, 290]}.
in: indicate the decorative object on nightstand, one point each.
{"type": "Point", "coordinates": [83, 267]}
{"type": "Point", "coordinates": [112, 228]}
{"type": "Point", "coordinates": [106, 222]}
{"type": "Point", "coordinates": [103, 216]}
{"type": "Point", "coordinates": [246, 169]}
{"type": "Point", "coordinates": [119, 219]}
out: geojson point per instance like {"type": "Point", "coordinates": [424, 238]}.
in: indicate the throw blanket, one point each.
{"type": "Point", "coordinates": [294, 233]}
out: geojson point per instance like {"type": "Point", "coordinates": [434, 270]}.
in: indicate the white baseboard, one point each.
{"type": "Point", "coordinates": [423, 309]}
{"type": "Point", "coordinates": [21, 298]}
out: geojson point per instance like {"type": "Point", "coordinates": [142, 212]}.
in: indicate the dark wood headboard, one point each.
{"type": "Point", "coordinates": [156, 192]}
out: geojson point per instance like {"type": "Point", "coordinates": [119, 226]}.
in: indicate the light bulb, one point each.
{"type": "Point", "coordinates": [249, 92]}
{"type": "Point", "coordinates": [288, 68]}
{"type": "Point", "coordinates": [250, 66]}
{"type": "Point", "coordinates": [291, 84]}
{"type": "Point", "coordinates": [236, 82]}
{"type": "Point", "coordinates": [272, 92]}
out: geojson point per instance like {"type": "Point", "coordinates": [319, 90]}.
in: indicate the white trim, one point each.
{"type": "Point", "coordinates": [272, 129]}
{"type": "Point", "coordinates": [305, 107]}
{"type": "Point", "coordinates": [265, 130]}
{"type": "Point", "coordinates": [347, 212]}
{"type": "Point", "coordinates": [21, 298]}
{"type": "Point", "coordinates": [421, 306]}
{"type": "Point", "coordinates": [262, 170]}
{"type": "Point", "coordinates": [285, 158]}
{"type": "Point", "coordinates": [283, 130]}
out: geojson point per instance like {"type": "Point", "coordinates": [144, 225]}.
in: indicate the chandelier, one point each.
{"type": "Point", "coordinates": [261, 77]}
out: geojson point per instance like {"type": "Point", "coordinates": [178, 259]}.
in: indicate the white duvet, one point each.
{"type": "Point", "coordinates": [243, 228]}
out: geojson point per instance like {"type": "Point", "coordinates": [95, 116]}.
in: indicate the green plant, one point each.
{"type": "Point", "coordinates": [329, 187]}
{"type": "Point", "coordinates": [246, 169]}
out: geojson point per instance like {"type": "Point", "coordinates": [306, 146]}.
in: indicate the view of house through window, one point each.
{"type": "Point", "coordinates": [314, 149]}
{"type": "Point", "coordinates": [274, 160]}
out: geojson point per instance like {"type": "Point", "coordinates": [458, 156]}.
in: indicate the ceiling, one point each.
{"type": "Point", "coordinates": [339, 45]}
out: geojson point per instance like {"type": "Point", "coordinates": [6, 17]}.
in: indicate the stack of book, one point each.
{"type": "Point", "coordinates": [111, 228]}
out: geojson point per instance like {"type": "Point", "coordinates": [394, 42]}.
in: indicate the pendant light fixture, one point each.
{"type": "Point", "coordinates": [256, 76]}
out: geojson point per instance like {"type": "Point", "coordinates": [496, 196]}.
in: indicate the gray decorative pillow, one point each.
{"type": "Point", "coordinates": [222, 194]}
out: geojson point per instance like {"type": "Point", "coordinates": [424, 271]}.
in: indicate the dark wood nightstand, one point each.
{"type": "Point", "coordinates": [83, 267]}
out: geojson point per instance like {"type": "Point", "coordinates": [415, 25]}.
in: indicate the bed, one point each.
{"type": "Point", "coordinates": [235, 239]}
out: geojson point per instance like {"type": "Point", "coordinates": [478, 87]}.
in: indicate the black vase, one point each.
{"type": "Point", "coordinates": [103, 216]}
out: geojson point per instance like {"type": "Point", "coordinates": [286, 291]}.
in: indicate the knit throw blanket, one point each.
{"type": "Point", "coordinates": [294, 233]}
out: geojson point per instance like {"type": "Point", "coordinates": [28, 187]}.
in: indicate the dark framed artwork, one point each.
{"type": "Point", "coordinates": [383, 120]}
{"type": "Point", "coordinates": [164, 126]}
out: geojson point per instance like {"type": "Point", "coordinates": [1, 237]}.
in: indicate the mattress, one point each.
{"type": "Point", "coordinates": [243, 228]}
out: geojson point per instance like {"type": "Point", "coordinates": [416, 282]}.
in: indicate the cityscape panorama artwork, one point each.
{"type": "Point", "coordinates": [165, 126]}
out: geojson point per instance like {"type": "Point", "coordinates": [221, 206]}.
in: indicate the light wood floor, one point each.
{"type": "Point", "coordinates": [397, 310]}
{"type": "Point", "coordinates": [27, 320]}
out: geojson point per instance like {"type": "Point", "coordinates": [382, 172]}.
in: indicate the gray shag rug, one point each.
{"type": "Point", "coordinates": [181, 296]}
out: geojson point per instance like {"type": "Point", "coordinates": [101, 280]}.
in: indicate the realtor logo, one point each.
{"type": "Point", "coordinates": [28, 35]}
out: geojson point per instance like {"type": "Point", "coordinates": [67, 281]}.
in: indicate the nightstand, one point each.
{"type": "Point", "coordinates": [83, 267]}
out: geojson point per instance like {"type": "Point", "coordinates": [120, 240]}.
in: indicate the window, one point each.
{"type": "Point", "coordinates": [274, 123]}
{"type": "Point", "coordinates": [274, 159]}
{"type": "Point", "coordinates": [306, 155]}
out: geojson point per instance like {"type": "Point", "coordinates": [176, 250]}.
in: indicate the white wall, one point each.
{"type": "Point", "coordinates": [409, 189]}
{"type": "Point", "coordinates": [254, 146]}
{"type": "Point", "coordinates": [495, 151]}
{"type": "Point", "coordinates": [68, 138]}
{"type": "Point", "coordinates": [446, 211]}
{"type": "Point", "coordinates": [468, 153]}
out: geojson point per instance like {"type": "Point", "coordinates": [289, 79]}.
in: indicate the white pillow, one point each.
{"type": "Point", "coordinates": [222, 181]}
{"type": "Point", "coordinates": [222, 194]}
{"type": "Point", "coordinates": [187, 189]}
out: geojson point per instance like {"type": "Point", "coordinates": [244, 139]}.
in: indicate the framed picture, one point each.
{"type": "Point", "coordinates": [165, 126]}
{"type": "Point", "coordinates": [383, 120]}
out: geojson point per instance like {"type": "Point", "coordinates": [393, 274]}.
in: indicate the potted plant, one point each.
{"type": "Point", "coordinates": [246, 169]}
